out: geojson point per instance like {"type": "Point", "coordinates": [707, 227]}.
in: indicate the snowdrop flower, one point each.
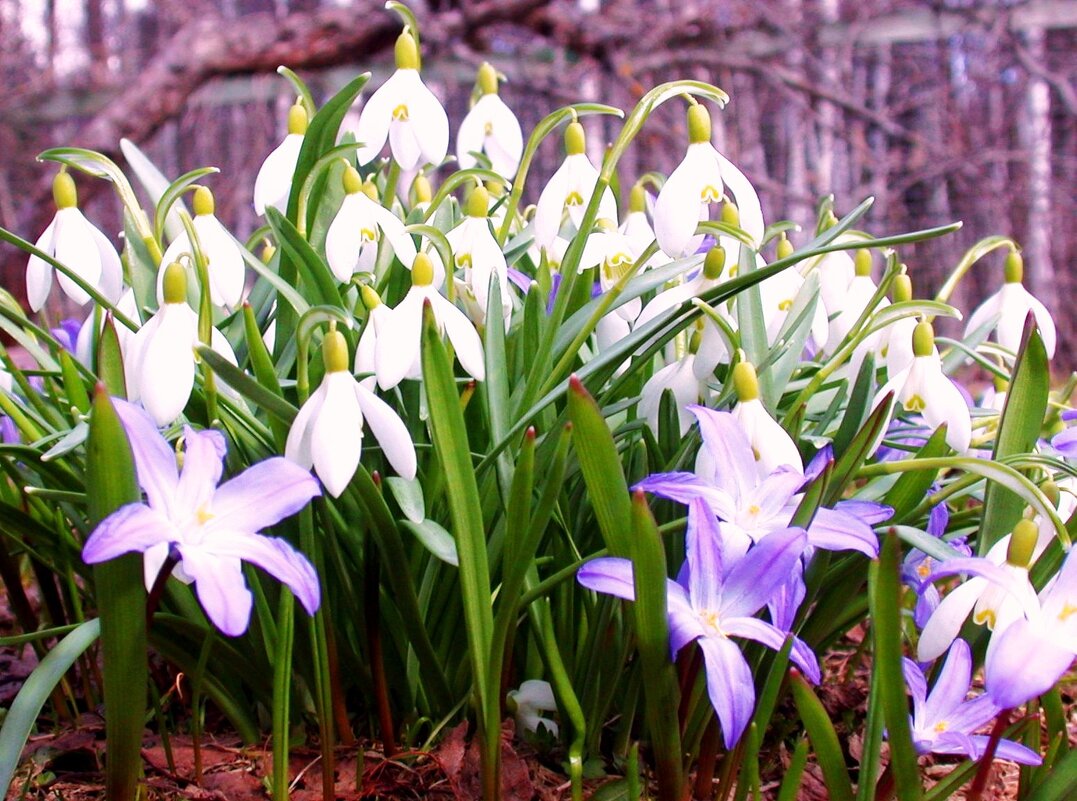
{"type": "Point", "coordinates": [532, 699]}
{"type": "Point", "coordinates": [854, 301]}
{"type": "Point", "coordinates": [73, 241]}
{"type": "Point", "coordinates": [922, 388]}
{"type": "Point", "coordinates": [698, 182]}
{"type": "Point", "coordinates": [478, 254]}
{"type": "Point", "coordinates": [406, 112]}
{"type": "Point", "coordinates": [710, 276]}
{"type": "Point", "coordinates": [570, 189]}
{"type": "Point", "coordinates": [1008, 309]}
{"type": "Point", "coordinates": [943, 722]}
{"type": "Point", "coordinates": [223, 254]}
{"type": "Point", "coordinates": [996, 595]}
{"type": "Point", "coordinates": [779, 293]}
{"type": "Point", "coordinates": [1031, 655]}
{"type": "Point", "coordinates": [328, 431]}
{"type": "Point", "coordinates": [771, 445]}
{"type": "Point", "coordinates": [614, 255]}
{"type": "Point", "coordinates": [716, 599]}
{"type": "Point", "coordinates": [638, 228]}
{"type": "Point", "coordinates": [160, 364]}
{"type": "Point", "coordinates": [896, 339]}
{"type": "Point", "coordinates": [836, 271]}
{"type": "Point", "coordinates": [273, 185]}
{"type": "Point", "coordinates": [204, 530]}
{"type": "Point", "coordinates": [491, 128]}
{"type": "Point", "coordinates": [90, 330]}
{"type": "Point", "coordinates": [397, 353]}
{"type": "Point", "coordinates": [682, 379]}
{"type": "Point", "coordinates": [351, 243]}
{"type": "Point", "coordinates": [367, 347]}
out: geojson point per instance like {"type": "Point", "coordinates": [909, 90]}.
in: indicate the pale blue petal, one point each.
{"type": "Point", "coordinates": [952, 684]}
{"type": "Point", "coordinates": [203, 463]}
{"type": "Point", "coordinates": [755, 629]}
{"type": "Point", "coordinates": [917, 684]}
{"type": "Point", "coordinates": [221, 589]}
{"type": "Point", "coordinates": [834, 530]}
{"type": "Point", "coordinates": [683, 487]}
{"type": "Point", "coordinates": [276, 557]}
{"type": "Point", "coordinates": [610, 575]}
{"type": "Point", "coordinates": [869, 512]}
{"type": "Point", "coordinates": [704, 548]}
{"type": "Point", "coordinates": [729, 685]}
{"type": "Point", "coordinates": [752, 581]}
{"type": "Point", "coordinates": [1023, 664]}
{"type": "Point", "coordinates": [969, 716]}
{"type": "Point", "coordinates": [729, 449]}
{"type": "Point", "coordinates": [131, 528]}
{"type": "Point", "coordinates": [262, 495]}
{"type": "Point", "coordinates": [1009, 750]}
{"type": "Point", "coordinates": [155, 461]}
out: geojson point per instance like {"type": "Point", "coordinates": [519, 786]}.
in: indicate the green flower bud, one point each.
{"type": "Point", "coordinates": [269, 250]}
{"type": "Point", "coordinates": [335, 351]}
{"type": "Point", "coordinates": [785, 248]}
{"type": "Point", "coordinates": [714, 263]}
{"type": "Point", "coordinates": [902, 288]}
{"type": "Point", "coordinates": [406, 52]}
{"type": "Point", "coordinates": [478, 202]}
{"type": "Point", "coordinates": [575, 139]}
{"type": "Point", "coordinates": [422, 270]}
{"type": "Point", "coordinates": [1022, 543]}
{"type": "Point", "coordinates": [495, 189]}
{"type": "Point", "coordinates": [64, 192]}
{"type": "Point", "coordinates": [370, 296]}
{"type": "Point", "coordinates": [695, 341]}
{"type": "Point", "coordinates": [175, 283]}
{"type": "Point", "coordinates": [487, 79]}
{"type": "Point", "coordinates": [637, 198]}
{"type": "Point", "coordinates": [297, 119]}
{"type": "Point", "coordinates": [352, 180]}
{"type": "Point", "coordinates": [730, 214]}
{"type": "Point", "coordinates": [1014, 271]}
{"type": "Point", "coordinates": [422, 189]}
{"type": "Point", "coordinates": [203, 201]}
{"type": "Point", "coordinates": [829, 220]}
{"type": "Point", "coordinates": [1050, 489]}
{"type": "Point", "coordinates": [745, 381]}
{"type": "Point", "coordinates": [699, 124]}
{"type": "Point", "coordinates": [370, 189]}
{"type": "Point", "coordinates": [862, 262]}
{"type": "Point", "coordinates": [923, 339]}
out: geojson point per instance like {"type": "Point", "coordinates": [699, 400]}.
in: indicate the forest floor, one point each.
{"type": "Point", "coordinates": [63, 762]}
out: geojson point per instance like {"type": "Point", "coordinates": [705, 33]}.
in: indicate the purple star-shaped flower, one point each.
{"type": "Point", "coordinates": [211, 530]}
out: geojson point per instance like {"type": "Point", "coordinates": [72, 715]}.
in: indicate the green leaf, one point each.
{"type": "Point", "coordinates": [824, 739]}
{"type": "Point", "coordinates": [601, 468]}
{"type": "Point", "coordinates": [121, 602]}
{"type": "Point", "coordinates": [409, 496]}
{"type": "Point", "coordinates": [433, 536]}
{"type": "Point", "coordinates": [662, 695]}
{"type": "Point", "coordinates": [861, 447]}
{"type": "Point", "coordinates": [1061, 783]}
{"type": "Point", "coordinates": [884, 596]}
{"type": "Point", "coordinates": [321, 283]}
{"type": "Point", "coordinates": [173, 193]}
{"type": "Point", "coordinates": [301, 89]}
{"type": "Point", "coordinates": [911, 488]}
{"type": "Point", "coordinates": [22, 716]}
{"type": "Point", "coordinates": [247, 386]}
{"type": "Point", "coordinates": [1018, 430]}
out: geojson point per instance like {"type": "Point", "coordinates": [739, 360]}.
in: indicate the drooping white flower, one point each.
{"type": "Point", "coordinates": [614, 255]}
{"type": "Point", "coordinates": [778, 295]}
{"type": "Point", "coordinates": [477, 253]}
{"type": "Point", "coordinates": [687, 378]}
{"type": "Point", "coordinates": [351, 243]}
{"type": "Point", "coordinates": [328, 431]}
{"type": "Point", "coordinates": [367, 347]}
{"type": "Point", "coordinates": [638, 228]}
{"type": "Point", "coordinates": [1009, 307]}
{"type": "Point", "coordinates": [922, 388]}
{"type": "Point", "coordinates": [853, 302]}
{"type": "Point", "coordinates": [836, 271]}
{"type": "Point", "coordinates": [491, 128]}
{"type": "Point", "coordinates": [88, 335]}
{"type": "Point", "coordinates": [406, 112]}
{"type": "Point", "coordinates": [223, 253]}
{"type": "Point", "coordinates": [75, 242]}
{"type": "Point", "coordinates": [569, 190]}
{"type": "Point", "coordinates": [697, 182]}
{"type": "Point", "coordinates": [274, 182]}
{"type": "Point", "coordinates": [772, 446]}
{"type": "Point", "coordinates": [160, 363]}
{"type": "Point", "coordinates": [397, 353]}
{"type": "Point", "coordinates": [533, 698]}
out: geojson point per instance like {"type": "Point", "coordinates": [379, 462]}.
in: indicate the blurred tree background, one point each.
{"type": "Point", "coordinates": [947, 110]}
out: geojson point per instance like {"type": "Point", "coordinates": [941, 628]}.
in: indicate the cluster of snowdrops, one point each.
{"type": "Point", "coordinates": [569, 403]}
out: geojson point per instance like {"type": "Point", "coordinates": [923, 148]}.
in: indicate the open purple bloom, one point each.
{"type": "Point", "coordinates": [209, 529]}
{"type": "Point", "coordinates": [751, 507]}
{"type": "Point", "coordinates": [1066, 441]}
{"type": "Point", "coordinates": [717, 599]}
{"type": "Point", "coordinates": [943, 722]}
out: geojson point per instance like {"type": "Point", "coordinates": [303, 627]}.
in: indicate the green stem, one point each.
{"type": "Point", "coordinates": [282, 687]}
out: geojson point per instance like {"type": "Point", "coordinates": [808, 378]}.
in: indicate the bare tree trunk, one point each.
{"type": "Point", "coordinates": [1035, 135]}
{"type": "Point", "coordinates": [797, 205]}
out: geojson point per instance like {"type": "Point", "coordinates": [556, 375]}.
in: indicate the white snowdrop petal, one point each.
{"type": "Point", "coordinates": [464, 337]}
{"type": "Point", "coordinates": [39, 271]}
{"type": "Point", "coordinates": [225, 261]}
{"type": "Point", "coordinates": [336, 440]}
{"type": "Point", "coordinates": [273, 184]}
{"type": "Point", "coordinates": [297, 446]}
{"type": "Point", "coordinates": [166, 364]}
{"type": "Point", "coordinates": [75, 247]}
{"type": "Point", "coordinates": [389, 430]}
